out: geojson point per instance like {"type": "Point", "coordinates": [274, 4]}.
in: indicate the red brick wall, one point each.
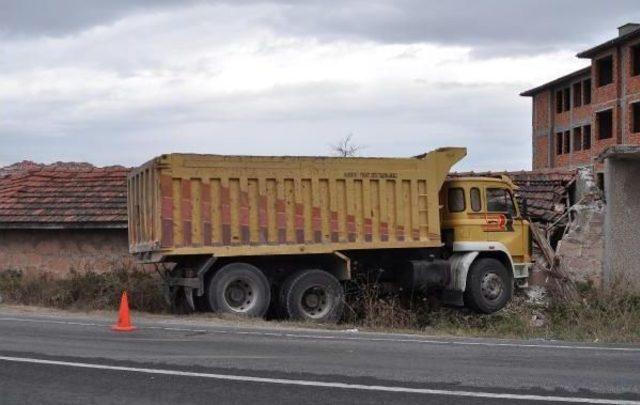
{"type": "Point", "coordinates": [633, 82]}
{"type": "Point", "coordinates": [59, 251]}
{"type": "Point", "coordinates": [541, 110]}
{"type": "Point", "coordinates": [601, 144]}
{"type": "Point", "coordinates": [541, 105]}
{"type": "Point", "coordinates": [610, 91]}
{"type": "Point", "coordinates": [540, 152]}
{"type": "Point", "coordinates": [618, 95]}
{"type": "Point", "coordinates": [631, 94]}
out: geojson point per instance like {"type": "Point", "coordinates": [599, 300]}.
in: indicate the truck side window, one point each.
{"type": "Point", "coordinates": [500, 200]}
{"type": "Point", "coordinates": [456, 200]}
{"type": "Point", "coordinates": [476, 202]}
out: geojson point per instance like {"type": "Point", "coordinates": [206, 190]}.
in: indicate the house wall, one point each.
{"type": "Point", "coordinates": [621, 254]}
{"type": "Point", "coordinates": [542, 110]}
{"type": "Point", "coordinates": [57, 251]}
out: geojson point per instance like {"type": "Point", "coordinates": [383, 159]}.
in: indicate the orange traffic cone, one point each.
{"type": "Point", "coordinates": [124, 319]}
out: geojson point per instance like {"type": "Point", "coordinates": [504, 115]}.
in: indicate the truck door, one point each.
{"type": "Point", "coordinates": [503, 222]}
{"type": "Point", "coordinates": [464, 213]}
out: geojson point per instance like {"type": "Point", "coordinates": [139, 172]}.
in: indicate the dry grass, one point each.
{"type": "Point", "coordinates": [599, 316]}
{"type": "Point", "coordinates": [85, 290]}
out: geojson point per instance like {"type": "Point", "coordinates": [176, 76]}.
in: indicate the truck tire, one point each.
{"type": "Point", "coordinates": [489, 286]}
{"type": "Point", "coordinates": [312, 295]}
{"type": "Point", "coordinates": [239, 288]}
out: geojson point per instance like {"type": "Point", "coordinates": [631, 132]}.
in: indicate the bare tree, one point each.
{"type": "Point", "coordinates": [346, 147]}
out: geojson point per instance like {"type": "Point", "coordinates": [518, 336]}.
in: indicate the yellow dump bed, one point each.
{"type": "Point", "coordinates": [184, 204]}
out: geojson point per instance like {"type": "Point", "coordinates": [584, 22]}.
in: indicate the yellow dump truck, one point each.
{"type": "Point", "coordinates": [243, 234]}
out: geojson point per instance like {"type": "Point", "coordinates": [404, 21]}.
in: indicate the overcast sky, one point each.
{"type": "Point", "coordinates": [120, 81]}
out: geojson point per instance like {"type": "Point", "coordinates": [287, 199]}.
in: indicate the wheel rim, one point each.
{"type": "Point", "coordinates": [316, 301]}
{"type": "Point", "coordinates": [492, 287]}
{"type": "Point", "coordinates": [240, 294]}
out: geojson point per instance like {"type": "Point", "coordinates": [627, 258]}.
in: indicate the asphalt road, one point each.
{"type": "Point", "coordinates": [63, 358]}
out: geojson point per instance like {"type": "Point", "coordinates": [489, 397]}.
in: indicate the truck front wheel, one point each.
{"type": "Point", "coordinates": [312, 295]}
{"type": "Point", "coordinates": [489, 286]}
{"type": "Point", "coordinates": [239, 288]}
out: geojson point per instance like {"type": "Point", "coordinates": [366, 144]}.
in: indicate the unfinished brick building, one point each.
{"type": "Point", "coordinates": [577, 116]}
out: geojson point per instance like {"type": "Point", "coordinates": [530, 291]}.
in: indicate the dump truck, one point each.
{"type": "Point", "coordinates": [251, 234]}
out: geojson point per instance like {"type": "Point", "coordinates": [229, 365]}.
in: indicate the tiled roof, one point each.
{"type": "Point", "coordinates": [546, 191]}
{"type": "Point", "coordinates": [63, 195]}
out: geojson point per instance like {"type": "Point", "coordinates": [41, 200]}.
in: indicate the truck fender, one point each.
{"type": "Point", "coordinates": [460, 264]}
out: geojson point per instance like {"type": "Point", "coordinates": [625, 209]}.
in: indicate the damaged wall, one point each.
{"type": "Point", "coordinates": [582, 247]}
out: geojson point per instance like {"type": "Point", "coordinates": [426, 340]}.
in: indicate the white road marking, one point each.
{"type": "Point", "coordinates": [289, 335]}
{"type": "Point", "coordinates": [325, 384]}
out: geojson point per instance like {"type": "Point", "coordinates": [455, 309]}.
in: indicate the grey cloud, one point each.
{"type": "Point", "coordinates": [27, 18]}
{"type": "Point", "coordinates": [493, 26]}
{"type": "Point", "coordinates": [294, 119]}
{"type": "Point", "coordinates": [522, 26]}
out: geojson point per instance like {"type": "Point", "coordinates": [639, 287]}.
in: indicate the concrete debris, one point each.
{"type": "Point", "coordinates": [582, 245]}
{"type": "Point", "coordinates": [537, 320]}
{"type": "Point", "coordinates": [578, 237]}
{"type": "Point", "coordinates": [536, 295]}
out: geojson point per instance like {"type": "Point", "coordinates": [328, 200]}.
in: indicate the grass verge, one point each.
{"type": "Point", "coordinates": [599, 316]}
{"type": "Point", "coordinates": [85, 290]}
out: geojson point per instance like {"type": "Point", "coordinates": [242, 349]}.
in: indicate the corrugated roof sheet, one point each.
{"type": "Point", "coordinates": [63, 195]}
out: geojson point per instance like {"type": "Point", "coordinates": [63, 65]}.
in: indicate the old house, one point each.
{"type": "Point", "coordinates": [54, 218]}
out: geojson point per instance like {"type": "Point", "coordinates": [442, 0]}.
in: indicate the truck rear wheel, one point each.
{"type": "Point", "coordinates": [489, 286]}
{"type": "Point", "coordinates": [239, 288]}
{"type": "Point", "coordinates": [312, 295]}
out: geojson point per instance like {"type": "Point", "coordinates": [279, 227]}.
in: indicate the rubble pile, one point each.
{"type": "Point", "coordinates": [566, 209]}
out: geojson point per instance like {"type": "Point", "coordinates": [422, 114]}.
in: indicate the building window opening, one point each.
{"type": "Point", "coordinates": [586, 92]}
{"type": "Point", "coordinates": [577, 94]}
{"type": "Point", "coordinates": [604, 69]}
{"type": "Point", "coordinates": [559, 143]}
{"type": "Point", "coordinates": [559, 103]}
{"type": "Point", "coordinates": [567, 142]}
{"type": "Point", "coordinates": [566, 97]}
{"type": "Point", "coordinates": [635, 117]}
{"type": "Point", "coordinates": [635, 60]}
{"type": "Point", "coordinates": [577, 139]}
{"type": "Point", "coordinates": [604, 120]}
{"type": "Point", "coordinates": [586, 137]}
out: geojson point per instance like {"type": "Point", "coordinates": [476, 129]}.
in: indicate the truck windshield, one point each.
{"type": "Point", "coordinates": [500, 200]}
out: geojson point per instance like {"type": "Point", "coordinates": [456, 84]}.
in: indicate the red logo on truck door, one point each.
{"type": "Point", "coordinates": [497, 223]}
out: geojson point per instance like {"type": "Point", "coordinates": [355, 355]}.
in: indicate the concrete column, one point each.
{"type": "Point", "coordinates": [622, 223]}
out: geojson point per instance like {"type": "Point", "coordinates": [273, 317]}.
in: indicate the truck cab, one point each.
{"type": "Point", "coordinates": [482, 225]}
